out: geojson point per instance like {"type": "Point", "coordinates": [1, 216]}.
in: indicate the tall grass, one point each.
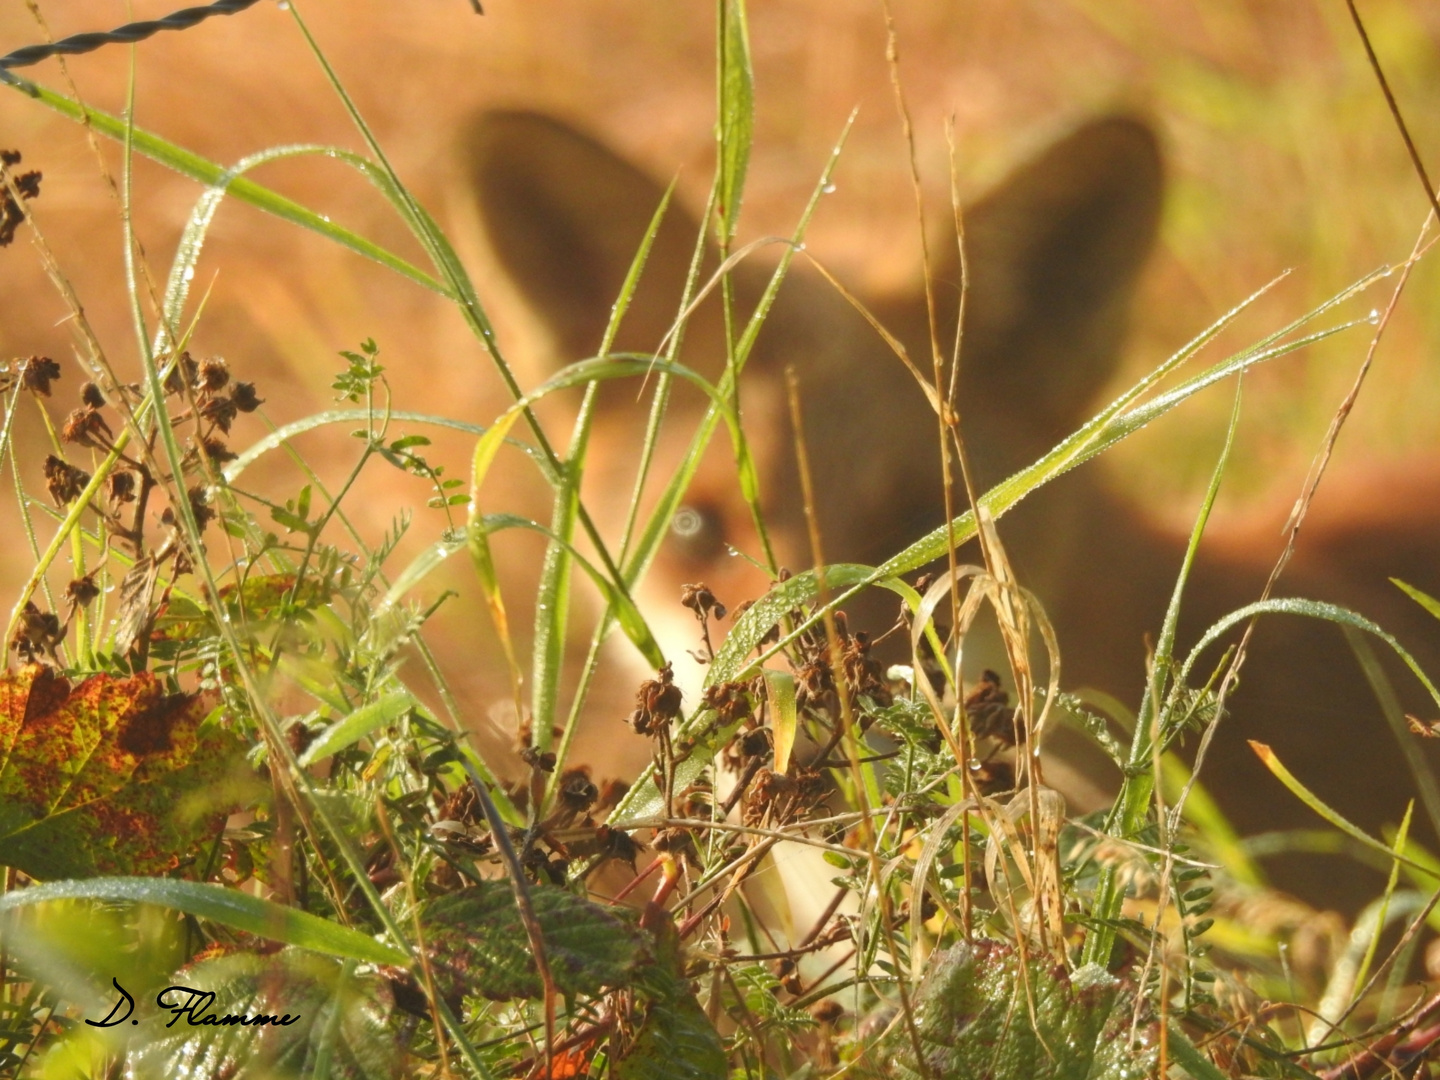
{"type": "Point", "coordinates": [436, 918]}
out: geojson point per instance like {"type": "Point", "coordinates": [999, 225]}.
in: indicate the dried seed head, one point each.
{"type": "Point", "coordinates": [730, 701]}
{"type": "Point", "coordinates": [37, 373]}
{"type": "Point", "coordinates": [27, 185]}
{"type": "Point", "coordinates": [82, 591]}
{"type": "Point", "coordinates": [699, 599]}
{"type": "Point", "coordinates": [212, 374]}
{"type": "Point", "coordinates": [200, 507]}
{"type": "Point", "coordinates": [64, 481]}
{"type": "Point", "coordinates": [185, 372]}
{"type": "Point", "coordinates": [577, 793]}
{"type": "Point", "coordinates": [243, 397]}
{"type": "Point", "coordinates": [988, 709]}
{"type": "Point", "coordinates": [120, 486]}
{"type": "Point", "coordinates": [90, 394]}
{"type": "Point", "coordinates": [299, 737]}
{"type": "Point", "coordinates": [220, 411]}
{"type": "Point", "coordinates": [86, 427]}
{"type": "Point", "coordinates": [217, 451]}
{"type": "Point", "coordinates": [38, 633]}
{"type": "Point", "coordinates": [656, 703]}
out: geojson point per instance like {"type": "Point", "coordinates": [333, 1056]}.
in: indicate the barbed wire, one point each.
{"type": "Point", "coordinates": [127, 34]}
{"type": "Point", "coordinates": [133, 32]}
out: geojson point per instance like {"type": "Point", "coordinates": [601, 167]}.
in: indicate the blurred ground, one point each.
{"type": "Point", "coordinates": [1280, 150]}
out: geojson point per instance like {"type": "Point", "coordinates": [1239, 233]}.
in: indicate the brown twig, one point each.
{"type": "Point", "coordinates": [1394, 108]}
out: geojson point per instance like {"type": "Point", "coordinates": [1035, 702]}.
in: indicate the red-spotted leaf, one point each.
{"type": "Point", "coordinates": [113, 776]}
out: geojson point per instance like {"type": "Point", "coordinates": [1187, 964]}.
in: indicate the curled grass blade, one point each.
{"type": "Point", "coordinates": [280, 436]}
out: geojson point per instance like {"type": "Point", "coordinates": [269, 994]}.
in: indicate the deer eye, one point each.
{"type": "Point", "coordinates": [698, 531]}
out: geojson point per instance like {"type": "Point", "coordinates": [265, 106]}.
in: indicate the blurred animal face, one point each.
{"type": "Point", "coordinates": [1053, 253]}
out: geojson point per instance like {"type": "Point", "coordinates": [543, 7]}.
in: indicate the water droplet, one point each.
{"type": "Point", "coordinates": [828, 189]}
{"type": "Point", "coordinates": [1374, 317]}
{"type": "Point", "coordinates": [284, 5]}
{"type": "Point", "coordinates": [190, 273]}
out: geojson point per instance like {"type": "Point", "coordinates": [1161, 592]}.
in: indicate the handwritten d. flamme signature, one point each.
{"type": "Point", "coordinates": [193, 1006]}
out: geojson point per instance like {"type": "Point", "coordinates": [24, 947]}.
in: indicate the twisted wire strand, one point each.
{"type": "Point", "coordinates": [127, 34]}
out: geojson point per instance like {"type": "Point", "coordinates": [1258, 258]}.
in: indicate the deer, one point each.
{"type": "Point", "coordinates": [1053, 254]}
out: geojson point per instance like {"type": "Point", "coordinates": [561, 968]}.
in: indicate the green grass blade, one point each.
{"type": "Point", "coordinates": [1428, 602]}
{"type": "Point", "coordinates": [1297, 788]}
{"type": "Point", "coordinates": [280, 436]}
{"type": "Point", "coordinates": [1419, 765]}
{"type": "Point", "coordinates": [1314, 609]}
{"type": "Point", "coordinates": [360, 723]}
{"type": "Point", "coordinates": [231, 907]}
{"type": "Point", "coordinates": [656, 525]}
{"type": "Point", "coordinates": [1129, 809]}
{"type": "Point", "coordinates": [552, 608]}
{"type": "Point", "coordinates": [737, 112]}
{"type": "Point", "coordinates": [1099, 434]}
{"type": "Point", "coordinates": [201, 169]}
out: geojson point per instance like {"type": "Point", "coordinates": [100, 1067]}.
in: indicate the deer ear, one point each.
{"type": "Point", "coordinates": [1055, 253]}
{"type": "Point", "coordinates": [564, 217]}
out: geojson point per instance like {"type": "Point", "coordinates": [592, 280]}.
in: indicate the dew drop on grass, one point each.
{"type": "Point", "coordinates": [1374, 317]}
{"type": "Point", "coordinates": [283, 5]}
{"type": "Point", "coordinates": [190, 273]}
{"type": "Point", "coordinates": [828, 189]}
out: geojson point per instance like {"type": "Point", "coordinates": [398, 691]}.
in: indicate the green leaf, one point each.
{"type": "Point", "coordinates": [980, 1012]}
{"type": "Point", "coordinates": [111, 776]}
{"type": "Point", "coordinates": [357, 725]}
{"type": "Point", "coordinates": [477, 943]}
{"type": "Point", "coordinates": [231, 907]}
{"type": "Point", "coordinates": [339, 1022]}
{"type": "Point", "coordinates": [675, 1042]}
